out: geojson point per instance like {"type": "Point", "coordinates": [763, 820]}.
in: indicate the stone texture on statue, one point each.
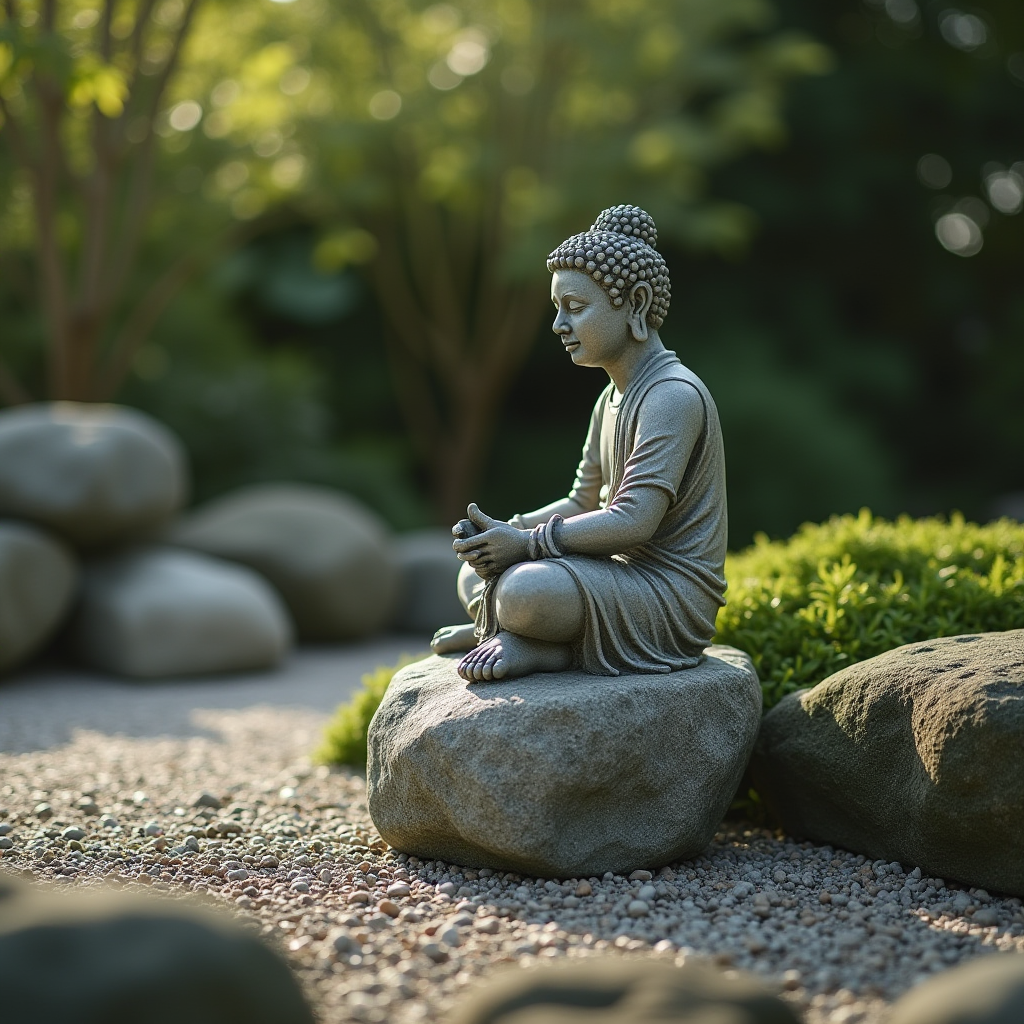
{"type": "Point", "coordinates": [328, 555]}
{"type": "Point", "coordinates": [606, 990]}
{"type": "Point", "coordinates": [430, 573]}
{"type": "Point", "coordinates": [988, 990]}
{"type": "Point", "coordinates": [38, 576]}
{"type": "Point", "coordinates": [913, 756]}
{"type": "Point", "coordinates": [161, 612]}
{"type": "Point", "coordinates": [561, 774]}
{"type": "Point", "coordinates": [93, 474]}
{"type": "Point", "coordinates": [111, 958]}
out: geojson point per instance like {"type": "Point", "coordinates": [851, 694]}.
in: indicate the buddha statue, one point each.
{"type": "Point", "coordinates": [625, 574]}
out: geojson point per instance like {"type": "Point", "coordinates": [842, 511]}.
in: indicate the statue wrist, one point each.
{"type": "Point", "coordinates": [544, 540]}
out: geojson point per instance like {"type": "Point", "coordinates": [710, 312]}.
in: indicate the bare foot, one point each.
{"type": "Point", "coordinates": [454, 638]}
{"type": "Point", "coordinates": [508, 655]}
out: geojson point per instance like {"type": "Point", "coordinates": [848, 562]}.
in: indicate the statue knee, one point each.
{"type": "Point", "coordinates": [517, 600]}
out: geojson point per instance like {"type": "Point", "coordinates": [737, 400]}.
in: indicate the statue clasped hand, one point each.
{"type": "Point", "coordinates": [626, 573]}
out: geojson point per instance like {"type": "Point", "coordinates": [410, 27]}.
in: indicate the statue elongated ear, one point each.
{"type": "Point", "coordinates": [641, 295]}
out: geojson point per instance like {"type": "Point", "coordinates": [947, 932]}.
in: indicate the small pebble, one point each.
{"type": "Point", "coordinates": [640, 875]}
{"type": "Point", "coordinates": [638, 908]}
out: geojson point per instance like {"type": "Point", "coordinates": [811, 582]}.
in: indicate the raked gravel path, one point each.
{"type": "Point", "coordinates": [206, 788]}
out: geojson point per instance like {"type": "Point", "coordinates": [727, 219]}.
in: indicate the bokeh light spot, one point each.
{"type": "Point", "coordinates": [964, 31]}
{"type": "Point", "coordinates": [185, 116]}
{"type": "Point", "coordinates": [958, 234]}
{"type": "Point", "coordinates": [470, 53]}
{"type": "Point", "coordinates": [385, 105]}
{"type": "Point", "coordinates": [1005, 191]}
{"type": "Point", "coordinates": [442, 77]}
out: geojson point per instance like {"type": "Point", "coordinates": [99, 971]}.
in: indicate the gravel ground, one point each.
{"type": "Point", "coordinates": [207, 789]}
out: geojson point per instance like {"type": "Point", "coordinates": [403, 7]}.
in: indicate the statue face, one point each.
{"type": "Point", "coordinates": [593, 331]}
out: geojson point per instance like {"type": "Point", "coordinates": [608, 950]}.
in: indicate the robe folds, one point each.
{"type": "Point", "coordinates": [651, 608]}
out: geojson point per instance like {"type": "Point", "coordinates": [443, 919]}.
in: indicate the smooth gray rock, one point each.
{"type": "Point", "coordinates": [610, 990]}
{"type": "Point", "coordinates": [38, 576]}
{"type": "Point", "coordinates": [560, 774]}
{"type": "Point", "coordinates": [328, 555]}
{"type": "Point", "coordinates": [989, 990]}
{"type": "Point", "coordinates": [913, 756]}
{"type": "Point", "coordinates": [93, 474]}
{"type": "Point", "coordinates": [155, 612]}
{"type": "Point", "coordinates": [429, 571]}
{"type": "Point", "coordinates": [106, 958]}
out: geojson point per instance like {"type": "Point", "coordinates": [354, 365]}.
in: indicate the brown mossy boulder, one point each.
{"type": "Point", "coordinates": [913, 756]}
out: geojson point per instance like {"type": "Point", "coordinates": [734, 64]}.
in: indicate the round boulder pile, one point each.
{"type": "Point", "coordinates": [330, 557]}
{"type": "Point", "coordinates": [560, 774]}
{"type": "Point", "coordinates": [92, 474]}
{"type": "Point", "coordinates": [84, 490]}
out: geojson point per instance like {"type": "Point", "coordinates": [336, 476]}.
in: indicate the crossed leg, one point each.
{"type": "Point", "coordinates": [540, 613]}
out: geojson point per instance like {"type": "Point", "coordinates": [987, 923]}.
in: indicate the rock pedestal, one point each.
{"type": "Point", "coordinates": [560, 774]}
{"type": "Point", "coordinates": [913, 756]}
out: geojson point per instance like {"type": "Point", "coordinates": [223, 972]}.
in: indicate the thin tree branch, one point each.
{"type": "Point", "coordinates": [133, 222]}
{"type": "Point", "coordinates": [106, 39]}
{"type": "Point", "coordinates": [142, 320]}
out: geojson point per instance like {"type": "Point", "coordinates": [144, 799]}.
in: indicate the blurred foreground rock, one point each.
{"type": "Point", "coordinates": [155, 612]}
{"type": "Point", "coordinates": [93, 474]}
{"type": "Point", "coordinates": [614, 991]}
{"type": "Point", "coordinates": [429, 571]}
{"type": "Point", "coordinates": [989, 990]}
{"type": "Point", "coordinates": [113, 959]}
{"type": "Point", "coordinates": [560, 774]}
{"type": "Point", "coordinates": [330, 557]}
{"type": "Point", "coordinates": [912, 756]}
{"type": "Point", "coordinates": [38, 576]}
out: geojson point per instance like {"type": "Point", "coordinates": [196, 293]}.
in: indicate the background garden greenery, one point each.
{"type": "Point", "coordinates": [350, 205]}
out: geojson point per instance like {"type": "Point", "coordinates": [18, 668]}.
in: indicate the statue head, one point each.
{"type": "Point", "coordinates": [618, 252]}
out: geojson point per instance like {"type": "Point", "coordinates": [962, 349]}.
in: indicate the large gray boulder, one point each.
{"type": "Point", "coordinates": [560, 774]}
{"type": "Point", "coordinates": [913, 756]}
{"type": "Point", "coordinates": [330, 557]}
{"type": "Point", "coordinates": [106, 958]}
{"type": "Point", "coordinates": [429, 570]}
{"type": "Point", "coordinates": [610, 990]}
{"type": "Point", "coordinates": [38, 575]}
{"type": "Point", "coordinates": [94, 474]}
{"type": "Point", "coordinates": [158, 612]}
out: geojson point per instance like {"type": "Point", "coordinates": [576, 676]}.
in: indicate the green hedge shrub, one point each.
{"type": "Point", "coordinates": [857, 586]}
{"type": "Point", "coordinates": [344, 739]}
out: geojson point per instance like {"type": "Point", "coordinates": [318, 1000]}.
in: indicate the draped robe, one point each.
{"type": "Point", "coordinates": [652, 607]}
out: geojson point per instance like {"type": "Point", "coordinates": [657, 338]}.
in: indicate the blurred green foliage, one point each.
{"type": "Point", "coordinates": [854, 359]}
{"type": "Point", "coordinates": [344, 740]}
{"type": "Point", "coordinates": [856, 586]}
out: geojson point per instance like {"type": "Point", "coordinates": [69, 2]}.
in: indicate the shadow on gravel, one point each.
{"type": "Point", "coordinates": [43, 707]}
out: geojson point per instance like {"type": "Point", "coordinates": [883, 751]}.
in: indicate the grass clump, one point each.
{"type": "Point", "coordinates": [839, 592]}
{"type": "Point", "coordinates": [344, 739]}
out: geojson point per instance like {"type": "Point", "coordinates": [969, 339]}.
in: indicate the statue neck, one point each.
{"type": "Point", "coordinates": [625, 369]}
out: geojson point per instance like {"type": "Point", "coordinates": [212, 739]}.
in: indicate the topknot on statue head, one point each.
{"type": "Point", "coordinates": [618, 251]}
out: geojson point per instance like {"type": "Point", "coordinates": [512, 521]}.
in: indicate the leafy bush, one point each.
{"type": "Point", "coordinates": [857, 586]}
{"type": "Point", "coordinates": [345, 736]}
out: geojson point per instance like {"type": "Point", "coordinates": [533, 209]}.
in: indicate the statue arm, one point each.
{"type": "Point", "coordinates": [669, 425]}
